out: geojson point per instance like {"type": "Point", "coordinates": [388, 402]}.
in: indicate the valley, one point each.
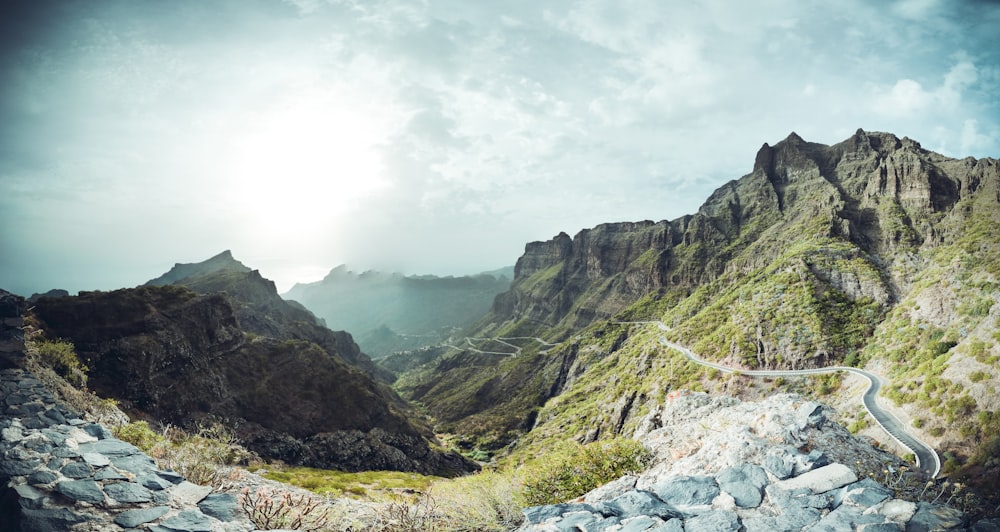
{"type": "Point", "coordinates": [872, 257]}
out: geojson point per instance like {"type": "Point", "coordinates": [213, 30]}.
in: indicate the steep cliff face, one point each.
{"type": "Point", "coordinates": [872, 250]}
{"type": "Point", "coordinates": [874, 197]}
{"type": "Point", "coordinates": [565, 284]}
{"type": "Point", "coordinates": [238, 354]}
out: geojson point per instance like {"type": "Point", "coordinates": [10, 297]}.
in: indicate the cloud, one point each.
{"type": "Point", "coordinates": [442, 136]}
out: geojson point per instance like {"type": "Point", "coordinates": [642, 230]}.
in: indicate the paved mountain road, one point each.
{"type": "Point", "coordinates": [927, 458]}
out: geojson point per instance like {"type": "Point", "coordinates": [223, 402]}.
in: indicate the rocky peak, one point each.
{"type": "Point", "coordinates": [223, 262]}
{"type": "Point", "coordinates": [874, 190]}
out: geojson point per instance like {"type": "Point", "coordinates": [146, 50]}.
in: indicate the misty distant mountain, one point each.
{"type": "Point", "coordinates": [387, 312]}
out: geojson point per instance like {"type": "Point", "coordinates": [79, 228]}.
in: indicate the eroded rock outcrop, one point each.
{"type": "Point", "coordinates": [725, 465]}
{"type": "Point", "coordinates": [220, 344]}
{"type": "Point", "coordinates": [60, 472]}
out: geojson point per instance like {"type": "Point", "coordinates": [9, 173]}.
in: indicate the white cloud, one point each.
{"type": "Point", "coordinates": [486, 124]}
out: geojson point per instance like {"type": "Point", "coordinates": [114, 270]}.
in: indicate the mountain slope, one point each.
{"type": "Point", "coordinates": [872, 251]}
{"type": "Point", "coordinates": [392, 312]}
{"type": "Point", "coordinates": [233, 351]}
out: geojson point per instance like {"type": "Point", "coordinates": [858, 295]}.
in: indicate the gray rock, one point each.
{"type": "Point", "coordinates": [820, 480]}
{"type": "Point", "coordinates": [934, 517]}
{"type": "Point", "coordinates": [538, 514]}
{"type": "Point", "coordinates": [790, 520]}
{"type": "Point", "coordinates": [128, 492]}
{"type": "Point", "coordinates": [842, 518]}
{"type": "Point", "coordinates": [865, 493]}
{"type": "Point", "coordinates": [42, 476]}
{"type": "Point", "coordinates": [49, 519]}
{"type": "Point", "coordinates": [720, 521]}
{"type": "Point", "coordinates": [137, 464]}
{"type": "Point", "coordinates": [188, 521]}
{"type": "Point", "coordinates": [11, 434]}
{"type": "Point", "coordinates": [744, 483]}
{"type": "Point", "coordinates": [880, 527]}
{"type": "Point", "coordinates": [30, 496]}
{"type": "Point", "coordinates": [81, 490]}
{"type": "Point", "coordinates": [687, 493]}
{"type": "Point", "coordinates": [751, 473]}
{"type": "Point", "coordinates": [612, 489]}
{"type": "Point", "coordinates": [673, 525]}
{"type": "Point", "coordinates": [780, 461]}
{"type": "Point", "coordinates": [56, 436]}
{"type": "Point", "coordinates": [96, 459]}
{"type": "Point", "coordinates": [574, 521]}
{"type": "Point", "coordinates": [37, 443]}
{"type": "Point", "coordinates": [98, 431]}
{"type": "Point", "coordinates": [17, 462]}
{"type": "Point", "coordinates": [745, 494]}
{"type": "Point", "coordinates": [77, 470]}
{"type": "Point", "coordinates": [797, 498]}
{"type": "Point", "coordinates": [153, 482]}
{"type": "Point", "coordinates": [639, 502]}
{"type": "Point", "coordinates": [65, 452]}
{"type": "Point", "coordinates": [639, 524]}
{"type": "Point", "coordinates": [109, 447]}
{"type": "Point", "coordinates": [222, 506]}
{"type": "Point", "coordinates": [170, 476]}
{"type": "Point", "coordinates": [109, 473]}
{"type": "Point", "coordinates": [189, 493]}
{"type": "Point", "coordinates": [134, 518]}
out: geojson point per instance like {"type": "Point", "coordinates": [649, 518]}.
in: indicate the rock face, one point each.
{"type": "Point", "coordinates": [569, 283]}
{"type": "Point", "coordinates": [724, 465]}
{"type": "Point", "coordinates": [237, 353]}
{"type": "Point", "coordinates": [12, 308]}
{"type": "Point", "coordinates": [817, 257]}
{"type": "Point", "coordinates": [880, 194]}
{"type": "Point", "coordinates": [393, 312]}
{"type": "Point", "coordinates": [59, 471]}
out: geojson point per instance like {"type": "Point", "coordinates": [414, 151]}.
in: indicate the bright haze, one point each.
{"type": "Point", "coordinates": [434, 137]}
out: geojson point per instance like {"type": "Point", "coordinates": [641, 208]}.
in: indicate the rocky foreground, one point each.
{"type": "Point", "coordinates": [61, 472]}
{"type": "Point", "coordinates": [776, 465]}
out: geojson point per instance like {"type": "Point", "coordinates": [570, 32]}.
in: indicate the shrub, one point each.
{"type": "Point", "coordinates": [60, 355]}
{"type": "Point", "coordinates": [486, 501]}
{"type": "Point", "coordinates": [977, 376]}
{"type": "Point", "coordinates": [139, 434]}
{"type": "Point", "coordinates": [271, 510]}
{"type": "Point", "coordinates": [573, 471]}
{"type": "Point", "coordinates": [201, 458]}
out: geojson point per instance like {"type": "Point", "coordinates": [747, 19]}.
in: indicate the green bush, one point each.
{"type": "Point", "coordinates": [139, 434]}
{"type": "Point", "coordinates": [573, 471]}
{"type": "Point", "coordinates": [977, 376]}
{"type": "Point", "coordinates": [60, 355]}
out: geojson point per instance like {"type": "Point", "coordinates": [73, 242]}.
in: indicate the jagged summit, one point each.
{"type": "Point", "coordinates": [222, 262]}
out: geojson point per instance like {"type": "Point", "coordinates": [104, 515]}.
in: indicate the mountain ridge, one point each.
{"type": "Point", "coordinates": [218, 343]}
{"type": "Point", "coordinates": [390, 312]}
{"type": "Point", "coordinates": [871, 251]}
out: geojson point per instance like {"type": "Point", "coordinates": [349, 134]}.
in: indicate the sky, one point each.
{"type": "Point", "coordinates": [434, 137]}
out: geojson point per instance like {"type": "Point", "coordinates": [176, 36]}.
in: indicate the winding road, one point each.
{"type": "Point", "coordinates": [927, 459]}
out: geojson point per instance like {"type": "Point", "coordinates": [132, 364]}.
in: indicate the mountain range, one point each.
{"type": "Point", "coordinates": [213, 341]}
{"type": "Point", "coordinates": [872, 252]}
{"type": "Point", "coordinates": [388, 312]}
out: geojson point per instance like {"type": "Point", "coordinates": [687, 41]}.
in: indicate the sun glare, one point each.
{"type": "Point", "coordinates": [303, 165]}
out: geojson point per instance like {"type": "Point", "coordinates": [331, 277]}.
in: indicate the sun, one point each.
{"type": "Point", "coordinates": [302, 165]}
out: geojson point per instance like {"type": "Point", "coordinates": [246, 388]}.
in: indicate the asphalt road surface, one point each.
{"type": "Point", "coordinates": [927, 459]}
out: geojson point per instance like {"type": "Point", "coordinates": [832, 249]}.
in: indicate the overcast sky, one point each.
{"type": "Point", "coordinates": [434, 137]}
